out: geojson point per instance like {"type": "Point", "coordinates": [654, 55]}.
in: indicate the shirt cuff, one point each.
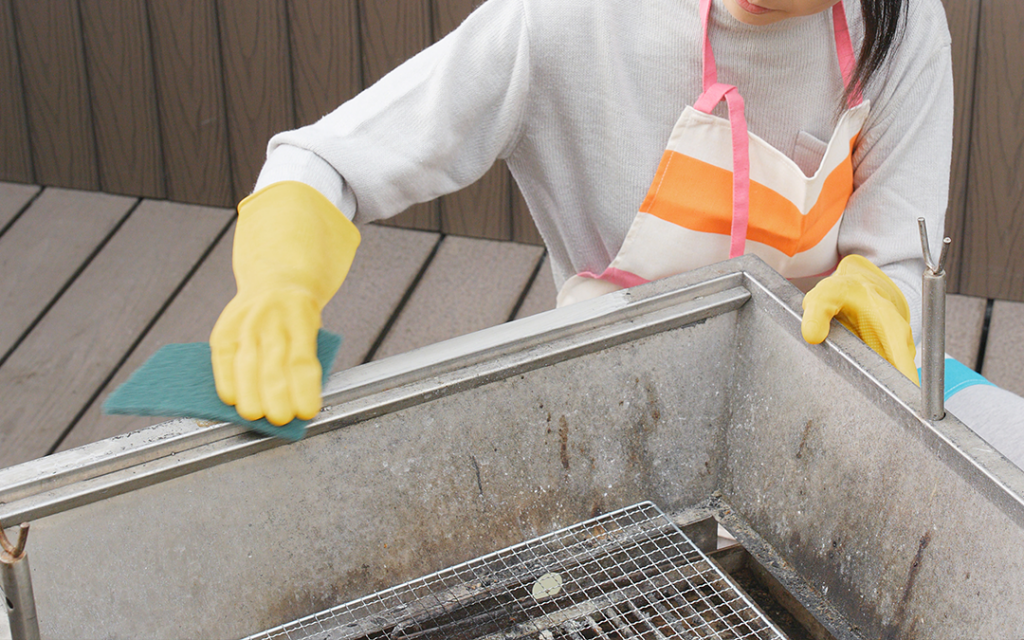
{"type": "Point", "coordinates": [286, 162]}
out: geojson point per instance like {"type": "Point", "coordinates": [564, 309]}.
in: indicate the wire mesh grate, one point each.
{"type": "Point", "coordinates": [629, 574]}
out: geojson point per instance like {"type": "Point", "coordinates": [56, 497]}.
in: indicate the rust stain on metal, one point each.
{"type": "Point", "coordinates": [563, 437]}
{"type": "Point", "coordinates": [476, 469]}
{"type": "Point", "coordinates": [644, 424]}
{"type": "Point", "coordinates": [895, 629]}
{"type": "Point", "coordinates": [803, 439]}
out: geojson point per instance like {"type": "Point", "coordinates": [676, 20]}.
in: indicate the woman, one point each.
{"type": "Point", "coordinates": [791, 145]}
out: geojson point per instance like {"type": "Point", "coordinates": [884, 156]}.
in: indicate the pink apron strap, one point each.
{"type": "Point", "coordinates": [740, 160]}
{"type": "Point", "coordinates": [714, 92]}
{"type": "Point", "coordinates": [710, 70]}
{"type": "Point", "coordinates": [844, 49]}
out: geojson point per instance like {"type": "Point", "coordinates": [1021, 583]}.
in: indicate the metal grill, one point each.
{"type": "Point", "coordinates": [628, 574]}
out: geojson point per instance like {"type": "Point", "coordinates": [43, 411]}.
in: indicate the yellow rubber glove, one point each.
{"type": "Point", "coordinates": [868, 303]}
{"type": "Point", "coordinates": [292, 251]}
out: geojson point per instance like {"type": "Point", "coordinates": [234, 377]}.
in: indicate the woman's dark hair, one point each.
{"type": "Point", "coordinates": [883, 26]}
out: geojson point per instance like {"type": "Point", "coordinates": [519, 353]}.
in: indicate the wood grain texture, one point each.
{"type": "Point", "coordinates": [965, 318]}
{"type": "Point", "coordinates": [258, 82]}
{"type": "Point", "coordinates": [393, 31]}
{"type": "Point", "coordinates": [1004, 356]}
{"type": "Point", "coordinates": [962, 16]}
{"type": "Point", "coordinates": [470, 285]}
{"type": "Point", "coordinates": [542, 294]}
{"type": "Point", "coordinates": [56, 93]}
{"type": "Point", "coordinates": [55, 372]}
{"type": "Point", "coordinates": [325, 56]}
{"type": "Point", "coordinates": [385, 268]}
{"type": "Point", "coordinates": [43, 250]}
{"type": "Point", "coordinates": [523, 228]}
{"type": "Point", "coordinates": [120, 64]}
{"type": "Point", "coordinates": [190, 90]}
{"type": "Point", "coordinates": [13, 198]}
{"type": "Point", "coordinates": [993, 252]}
{"type": "Point", "coordinates": [449, 14]}
{"type": "Point", "coordinates": [483, 209]}
{"type": "Point", "coordinates": [16, 159]}
{"type": "Point", "coordinates": [189, 318]}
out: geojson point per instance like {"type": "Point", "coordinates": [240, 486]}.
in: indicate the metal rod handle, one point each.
{"type": "Point", "coordinates": [16, 581]}
{"type": "Point", "coordinates": [933, 319]}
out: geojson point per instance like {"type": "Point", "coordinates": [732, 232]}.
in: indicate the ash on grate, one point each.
{"type": "Point", "coordinates": [628, 574]}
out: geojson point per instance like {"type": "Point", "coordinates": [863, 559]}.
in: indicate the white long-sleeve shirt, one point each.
{"type": "Point", "coordinates": [579, 97]}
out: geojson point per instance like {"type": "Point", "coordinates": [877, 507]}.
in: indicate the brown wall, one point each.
{"type": "Point", "coordinates": [177, 98]}
{"type": "Point", "coordinates": [986, 213]}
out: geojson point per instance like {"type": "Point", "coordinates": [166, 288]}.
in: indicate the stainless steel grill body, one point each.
{"type": "Point", "coordinates": [668, 392]}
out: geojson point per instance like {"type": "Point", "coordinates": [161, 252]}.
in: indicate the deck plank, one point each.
{"type": "Point", "coordinates": [45, 247]}
{"type": "Point", "coordinates": [542, 294]}
{"type": "Point", "coordinates": [470, 285]}
{"type": "Point", "coordinates": [386, 265]}
{"type": "Point", "coordinates": [13, 198]}
{"type": "Point", "coordinates": [189, 318]}
{"type": "Point", "coordinates": [1004, 353]}
{"type": "Point", "coordinates": [53, 374]}
{"type": "Point", "coordinates": [965, 318]}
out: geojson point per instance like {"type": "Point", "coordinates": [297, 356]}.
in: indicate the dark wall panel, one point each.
{"type": "Point", "coordinates": [119, 60]}
{"type": "Point", "coordinates": [483, 209]}
{"type": "Point", "coordinates": [325, 55]}
{"type": "Point", "coordinates": [962, 16]}
{"type": "Point", "coordinates": [16, 159]}
{"type": "Point", "coordinates": [190, 90]}
{"type": "Point", "coordinates": [56, 95]}
{"type": "Point", "coordinates": [392, 31]}
{"type": "Point", "coordinates": [523, 228]}
{"type": "Point", "coordinates": [258, 83]}
{"type": "Point", "coordinates": [993, 259]}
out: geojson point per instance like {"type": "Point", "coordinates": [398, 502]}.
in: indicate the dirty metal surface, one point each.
{"type": "Point", "coordinates": [380, 492]}
{"type": "Point", "coordinates": [628, 574]}
{"type": "Point", "coordinates": [904, 524]}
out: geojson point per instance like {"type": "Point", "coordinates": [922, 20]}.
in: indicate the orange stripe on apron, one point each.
{"type": "Point", "coordinates": [720, 192]}
{"type": "Point", "coordinates": [695, 195]}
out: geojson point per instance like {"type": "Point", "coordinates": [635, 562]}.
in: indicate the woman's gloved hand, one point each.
{"type": "Point", "coordinates": [868, 303]}
{"type": "Point", "coordinates": [292, 251]}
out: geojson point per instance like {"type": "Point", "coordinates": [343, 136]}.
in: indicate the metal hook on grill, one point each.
{"type": "Point", "coordinates": [16, 580]}
{"type": "Point", "coordinates": [933, 318]}
{"type": "Point", "coordinates": [17, 550]}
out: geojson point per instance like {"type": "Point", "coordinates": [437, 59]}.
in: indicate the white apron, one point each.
{"type": "Point", "coordinates": [721, 192]}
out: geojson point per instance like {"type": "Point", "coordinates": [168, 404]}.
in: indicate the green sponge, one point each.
{"type": "Point", "coordinates": [177, 381]}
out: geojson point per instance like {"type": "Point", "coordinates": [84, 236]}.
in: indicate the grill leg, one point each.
{"type": "Point", "coordinates": [16, 580]}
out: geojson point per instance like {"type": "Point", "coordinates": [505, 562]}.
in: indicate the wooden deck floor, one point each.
{"type": "Point", "coordinates": [92, 284]}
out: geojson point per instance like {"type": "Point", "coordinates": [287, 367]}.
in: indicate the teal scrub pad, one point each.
{"type": "Point", "coordinates": [177, 381]}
